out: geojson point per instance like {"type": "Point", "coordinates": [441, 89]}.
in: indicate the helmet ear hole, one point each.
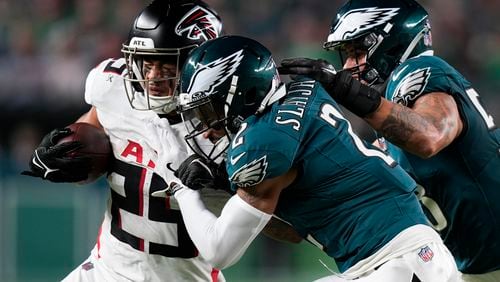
{"type": "Point", "coordinates": [251, 97]}
{"type": "Point", "coordinates": [394, 50]}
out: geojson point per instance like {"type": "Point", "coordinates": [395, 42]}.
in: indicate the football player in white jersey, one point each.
{"type": "Point", "coordinates": [142, 238]}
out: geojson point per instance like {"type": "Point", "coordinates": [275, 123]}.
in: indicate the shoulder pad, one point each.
{"type": "Point", "coordinates": [103, 78]}
{"type": "Point", "coordinates": [258, 156]}
{"type": "Point", "coordinates": [416, 77]}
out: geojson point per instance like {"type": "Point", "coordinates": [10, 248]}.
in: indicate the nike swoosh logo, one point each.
{"type": "Point", "coordinates": [169, 166]}
{"type": "Point", "coordinates": [38, 162]}
{"type": "Point", "coordinates": [234, 160]}
{"type": "Point", "coordinates": [34, 161]}
{"type": "Point", "coordinates": [396, 76]}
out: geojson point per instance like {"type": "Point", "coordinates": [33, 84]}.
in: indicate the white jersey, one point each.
{"type": "Point", "coordinates": [142, 238]}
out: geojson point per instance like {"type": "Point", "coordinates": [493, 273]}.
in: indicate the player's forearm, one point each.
{"type": "Point", "coordinates": [406, 128]}
{"type": "Point", "coordinates": [281, 231]}
{"type": "Point", "coordinates": [90, 117]}
{"type": "Point", "coordinates": [223, 240]}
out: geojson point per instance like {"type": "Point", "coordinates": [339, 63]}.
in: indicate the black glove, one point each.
{"type": "Point", "coordinates": [349, 92]}
{"type": "Point", "coordinates": [51, 161]}
{"type": "Point", "coordinates": [197, 173]}
{"type": "Point", "coordinates": [319, 70]}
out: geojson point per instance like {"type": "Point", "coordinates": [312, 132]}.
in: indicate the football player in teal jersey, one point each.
{"type": "Point", "coordinates": [290, 152]}
{"type": "Point", "coordinates": [449, 141]}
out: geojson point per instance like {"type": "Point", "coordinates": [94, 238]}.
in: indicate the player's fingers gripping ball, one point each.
{"type": "Point", "coordinates": [78, 153]}
{"type": "Point", "coordinates": [95, 149]}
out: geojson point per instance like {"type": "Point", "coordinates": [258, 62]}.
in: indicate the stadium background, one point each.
{"type": "Point", "coordinates": [48, 46]}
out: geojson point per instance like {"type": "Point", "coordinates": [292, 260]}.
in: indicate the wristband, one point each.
{"type": "Point", "coordinates": [358, 98]}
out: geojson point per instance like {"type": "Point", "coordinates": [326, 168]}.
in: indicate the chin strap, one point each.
{"type": "Point", "coordinates": [271, 97]}
{"type": "Point", "coordinates": [413, 44]}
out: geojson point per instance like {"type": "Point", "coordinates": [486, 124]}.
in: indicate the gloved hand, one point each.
{"type": "Point", "coordinates": [197, 173]}
{"type": "Point", "coordinates": [319, 70]}
{"type": "Point", "coordinates": [53, 162]}
{"type": "Point", "coordinates": [356, 97]}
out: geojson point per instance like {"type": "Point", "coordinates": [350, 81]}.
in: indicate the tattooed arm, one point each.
{"type": "Point", "coordinates": [425, 129]}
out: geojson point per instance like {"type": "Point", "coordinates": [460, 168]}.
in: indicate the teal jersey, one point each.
{"type": "Point", "coordinates": [349, 197]}
{"type": "Point", "coordinates": [464, 178]}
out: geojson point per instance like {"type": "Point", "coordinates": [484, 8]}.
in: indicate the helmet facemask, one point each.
{"type": "Point", "coordinates": [137, 84]}
{"type": "Point", "coordinates": [200, 116]}
{"type": "Point", "coordinates": [365, 45]}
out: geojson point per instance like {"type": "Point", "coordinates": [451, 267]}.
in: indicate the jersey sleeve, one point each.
{"type": "Point", "coordinates": [420, 76]}
{"type": "Point", "coordinates": [103, 79]}
{"type": "Point", "coordinates": [92, 80]}
{"type": "Point", "coordinates": [263, 154]}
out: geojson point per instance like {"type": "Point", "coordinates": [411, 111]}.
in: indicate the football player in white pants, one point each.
{"type": "Point", "coordinates": [433, 258]}
{"type": "Point", "coordinates": [291, 152]}
{"type": "Point", "coordinates": [142, 238]}
{"type": "Point", "coordinates": [429, 115]}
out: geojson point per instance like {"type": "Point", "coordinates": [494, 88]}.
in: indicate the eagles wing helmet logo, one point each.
{"type": "Point", "coordinates": [199, 23]}
{"type": "Point", "coordinates": [250, 174]}
{"type": "Point", "coordinates": [411, 86]}
{"type": "Point", "coordinates": [211, 75]}
{"type": "Point", "coordinates": [359, 20]}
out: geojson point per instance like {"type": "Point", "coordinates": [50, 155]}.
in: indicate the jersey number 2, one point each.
{"type": "Point", "coordinates": [332, 116]}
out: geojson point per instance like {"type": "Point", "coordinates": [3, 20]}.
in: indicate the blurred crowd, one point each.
{"type": "Point", "coordinates": [47, 48]}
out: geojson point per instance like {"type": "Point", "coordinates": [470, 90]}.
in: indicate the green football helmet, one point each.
{"type": "Point", "coordinates": [389, 31]}
{"type": "Point", "coordinates": [223, 82]}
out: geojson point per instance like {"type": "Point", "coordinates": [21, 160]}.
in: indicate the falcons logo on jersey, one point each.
{"type": "Point", "coordinates": [411, 86]}
{"type": "Point", "coordinates": [199, 23]}
{"type": "Point", "coordinates": [207, 77]}
{"type": "Point", "coordinates": [250, 174]}
{"type": "Point", "coordinates": [360, 20]}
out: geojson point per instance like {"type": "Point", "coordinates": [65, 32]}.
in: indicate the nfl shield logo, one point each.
{"type": "Point", "coordinates": [426, 254]}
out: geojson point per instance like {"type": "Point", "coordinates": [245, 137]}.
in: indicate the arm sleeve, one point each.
{"type": "Point", "coordinates": [223, 240]}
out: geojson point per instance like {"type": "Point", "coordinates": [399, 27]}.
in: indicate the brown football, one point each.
{"type": "Point", "coordinates": [96, 145]}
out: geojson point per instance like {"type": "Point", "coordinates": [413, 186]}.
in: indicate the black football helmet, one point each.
{"type": "Point", "coordinates": [223, 82]}
{"type": "Point", "coordinates": [389, 31]}
{"type": "Point", "coordinates": [166, 30]}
